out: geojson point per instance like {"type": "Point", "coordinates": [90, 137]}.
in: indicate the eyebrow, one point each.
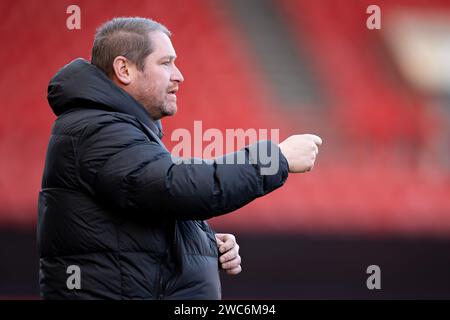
{"type": "Point", "coordinates": [170, 57]}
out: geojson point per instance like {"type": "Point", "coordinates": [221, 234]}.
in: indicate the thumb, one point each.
{"type": "Point", "coordinates": [316, 139]}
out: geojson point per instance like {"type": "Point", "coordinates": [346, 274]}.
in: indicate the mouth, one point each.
{"type": "Point", "coordinates": [171, 94]}
{"type": "Point", "coordinates": [173, 91]}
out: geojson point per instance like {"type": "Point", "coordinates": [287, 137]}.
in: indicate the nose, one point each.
{"type": "Point", "coordinates": [177, 76]}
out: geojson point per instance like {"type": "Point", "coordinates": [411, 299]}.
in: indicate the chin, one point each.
{"type": "Point", "coordinates": [170, 110]}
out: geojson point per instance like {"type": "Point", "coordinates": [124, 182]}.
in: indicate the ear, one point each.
{"type": "Point", "coordinates": [123, 70]}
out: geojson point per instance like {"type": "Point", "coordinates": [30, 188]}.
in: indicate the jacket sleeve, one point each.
{"type": "Point", "coordinates": [121, 165]}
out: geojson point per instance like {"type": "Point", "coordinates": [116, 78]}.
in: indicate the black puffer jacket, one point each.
{"type": "Point", "coordinates": [114, 204]}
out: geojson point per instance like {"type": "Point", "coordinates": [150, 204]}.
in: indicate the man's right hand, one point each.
{"type": "Point", "coordinates": [300, 151]}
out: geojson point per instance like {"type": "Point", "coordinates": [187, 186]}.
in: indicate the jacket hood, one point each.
{"type": "Point", "coordinates": [80, 84]}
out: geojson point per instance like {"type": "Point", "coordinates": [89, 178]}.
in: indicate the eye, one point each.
{"type": "Point", "coordinates": [166, 63]}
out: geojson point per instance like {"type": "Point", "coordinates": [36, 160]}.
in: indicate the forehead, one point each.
{"type": "Point", "coordinates": [162, 46]}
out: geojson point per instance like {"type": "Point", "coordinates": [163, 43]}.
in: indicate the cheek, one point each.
{"type": "Point", "coordinates": [156, 82]}
{"type": "Point", "coordinates": [158, 77]}
{"type": "Point", "coordinates": [151, 88]}
{"type": "Point", "coordinates": [157, 87]}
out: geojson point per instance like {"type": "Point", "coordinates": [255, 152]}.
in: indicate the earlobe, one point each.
{"type": "Point", "coordinates": [121, 68]}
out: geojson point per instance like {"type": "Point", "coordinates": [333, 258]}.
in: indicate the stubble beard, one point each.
{"type": "Point", "coordinates": [155, 107]}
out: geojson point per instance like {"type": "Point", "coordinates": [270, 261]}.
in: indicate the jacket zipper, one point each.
{"type": "Point", "coordinates": [159, 284]}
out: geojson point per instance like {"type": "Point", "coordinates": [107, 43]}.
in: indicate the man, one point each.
{"type": "Point", "coordinates": [119, 218]}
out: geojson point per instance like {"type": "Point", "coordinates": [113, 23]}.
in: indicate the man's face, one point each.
{"type": "Point", "coordinates": [156, 86]}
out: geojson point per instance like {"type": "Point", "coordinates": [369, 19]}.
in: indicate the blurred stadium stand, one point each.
{"type": "Point", "coordinates": [382, 178]}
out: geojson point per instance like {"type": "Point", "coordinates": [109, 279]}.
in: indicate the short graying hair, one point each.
{"type": "Point", "coordinates": [126, 37]}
